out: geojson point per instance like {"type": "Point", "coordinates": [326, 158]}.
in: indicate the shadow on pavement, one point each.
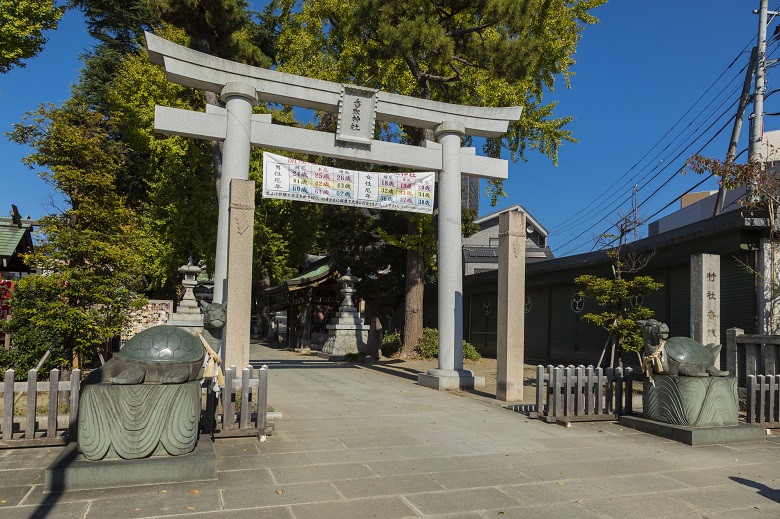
{"type": "Point", "coordinates": [763, 490]}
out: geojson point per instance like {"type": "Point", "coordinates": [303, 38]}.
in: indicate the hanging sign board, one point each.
{"type": "Point", "coordinates": [292, 179]}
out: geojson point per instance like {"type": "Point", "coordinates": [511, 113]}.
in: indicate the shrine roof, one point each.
{"type": "Point", "coordinates": [318, 272]}
{"type": "Point", "coordinates": [12, 234]}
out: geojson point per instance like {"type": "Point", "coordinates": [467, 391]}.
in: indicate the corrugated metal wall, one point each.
{"type": "Point", "coordinates": [679, 318]}
{"type": "Point", "coordinates": [573, 341]}
{"type": "Point", "coordinates": [483, 323]}
{"type": "Point", "coordinates": [537, 324]}
{"type": "Point", "coordinates": [737, 295]}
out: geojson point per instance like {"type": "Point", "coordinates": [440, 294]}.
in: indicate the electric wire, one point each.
{"type": "Point", "coordinates": [670, 129]}
{"type": "Point", "coordinates": [675, 174]}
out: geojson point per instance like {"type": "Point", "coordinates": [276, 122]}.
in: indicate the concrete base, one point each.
{"type": "Point", "coordinates": [444, 379]}
{"type": "Point", "coordinates": [71, 471]}
{"type": "Point", "coordinates": [695, 436]}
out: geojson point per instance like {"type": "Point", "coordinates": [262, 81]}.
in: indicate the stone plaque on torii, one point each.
{"type": "Point", "coordinates": [242, 86]}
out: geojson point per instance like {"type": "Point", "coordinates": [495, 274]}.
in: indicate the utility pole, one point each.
{"type": "Point", "coordinates": [731, 155]}
{"type": "Point", "coordinates": [757, 120]}
{"type": "Point", "coordinates": [636, 211]}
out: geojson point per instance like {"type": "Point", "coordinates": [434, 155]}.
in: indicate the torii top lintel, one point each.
{"type": "Point", "coordinates": [195, 69]}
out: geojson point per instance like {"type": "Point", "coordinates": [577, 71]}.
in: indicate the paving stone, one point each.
{"type": "Point", "coordinates": [263, 461]}
{"type": "Point", "coordinates": [376, 508]}
{"type": "Point", "coordinates": [633, 484]}
{"type": "Point", "coordinates": [416, 466]}
{"type": "Point", "coordinates": [548, 511]}
{"type": "Point", "coordinates": [727, 497]}
{"type": "Point", "coordinates": [555, 492]}
{"type": "Point", "coordinates": [645, 506]}
{"type": "Point", "coordinates": [633, 466]}
{"type": "Point", "coordinates": [562, 471]}
{"type": "Point", "coordinates": [267, 512]}
{"type": "Point", "coordinates": [330, 472]}
{"type": "Point", "coordinates": [461, 500]}
{"type": "Point", "coordinates": [50, 511]}
{"type": "Point", "coordinates": [386, 486]}
{"type": "Point", "coordinates": [358, 455]}
{"type": "Point", "coordinates": [403, 440]}
{"type": "Point", "coordinates": [251, 478]}
{"type": "Point", "coordinates": [151, 505]}
{"type": "Point", "coordinates": [12, 496]}
{"type": "Point", "coordinates": [16, 477]}
{"type": "Point", "coordinates": [286, 447]}
{"type": "Point", "coordinates": [479, 478]}
{"type": "Point", "coordinates": [279, 494]}
{"type": "Point", "coordinates": [29, 458]}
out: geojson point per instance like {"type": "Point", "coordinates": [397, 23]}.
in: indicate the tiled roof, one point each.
{"type": "Point", "coordinates": [10, 236]}
{"type": "Point", "coordinates": [322, 270]}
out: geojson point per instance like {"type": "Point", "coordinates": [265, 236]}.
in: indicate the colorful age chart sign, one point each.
{"type": "Point", "coordinates": [292, 179]}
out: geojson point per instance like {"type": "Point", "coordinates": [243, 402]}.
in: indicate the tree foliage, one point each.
{"type": "Point", "coordinates": [475, 52]}
{"type": "Point", "coordinates": [87, 251]}
{"type": "Point", "coordinates": [22, 23]}
{"type": "Point", "coordinates": [762, 185]}
{"type": "Point", "coordinates": [620, 298]}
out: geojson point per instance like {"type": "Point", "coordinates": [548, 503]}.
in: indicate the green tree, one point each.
{"type": "Point", "coordinates": [22, 23]}
{"type": "Point", "coordinates": [87, 251]}
{"type": "Point", "coordinates": [477, 52]}
{"type": "Point", "coordinates": [618, 296]}
{"type": "Point", "coordinates": [763, 196]}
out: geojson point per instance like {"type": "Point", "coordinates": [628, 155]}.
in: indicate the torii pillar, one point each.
{"type": "Point", "coordinates": [450, 373]}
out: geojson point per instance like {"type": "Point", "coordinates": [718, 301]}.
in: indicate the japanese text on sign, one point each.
{"type": "Point", "coordinates": [296, 180]}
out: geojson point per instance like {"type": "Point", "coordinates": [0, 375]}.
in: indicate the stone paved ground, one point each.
{"type": "Point", "coordinates": [364, 442]}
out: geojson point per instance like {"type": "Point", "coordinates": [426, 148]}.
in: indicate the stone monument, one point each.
{"type": "Point", "coordinates": [347, 334]}
{"type": "Point", "coordinates": [145, 401]}
{"type": "Point", "coordinates": [683, 385]}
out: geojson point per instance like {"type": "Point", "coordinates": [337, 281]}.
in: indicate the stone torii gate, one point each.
{"type": "Point", "coordinates": [242, 86]}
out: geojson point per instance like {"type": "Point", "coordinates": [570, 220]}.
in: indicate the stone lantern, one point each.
{"type": "Point", "coordinates": [346, 332]}
{"type": "Point", "coordinates": [187, 314]}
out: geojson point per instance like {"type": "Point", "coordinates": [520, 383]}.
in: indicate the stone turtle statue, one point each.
{"type": "Point", "coordinates": [677, 356]}
{"type": "Point", "coordinates": [158, 355]}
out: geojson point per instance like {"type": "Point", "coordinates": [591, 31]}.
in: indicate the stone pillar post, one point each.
{"type": "Point", "coordinates": [450, 373]}
{"type": "Point", "coordinates": [238, 323]}
{"type": "Point", "coordinates": [511, 306]}
{"type": "Point", "coordinates": [705, 299]}
{"type": "Point", "coordinates": [239, 100]}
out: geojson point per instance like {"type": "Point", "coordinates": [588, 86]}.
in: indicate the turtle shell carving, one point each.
{"type": "Point", "coordinates": [158, 355]}
{"type": "Point", "coordinates": [163, 344]}
{"type": "Point", "coordinates": [683, 349]}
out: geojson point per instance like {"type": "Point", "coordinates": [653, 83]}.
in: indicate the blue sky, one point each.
{"type": "Point", "coordinates": [644, 70]}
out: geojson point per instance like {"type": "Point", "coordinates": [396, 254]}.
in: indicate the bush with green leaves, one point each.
{"type": "Point", "coordinates": [391, 344]}
{"type": "Point", "coordinates": [428, 346]}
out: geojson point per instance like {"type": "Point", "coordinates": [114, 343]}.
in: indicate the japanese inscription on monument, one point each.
{"type": "Point", "coordinates": [357, 115]}
{"type": "Point", "coordinates": [293, 179]}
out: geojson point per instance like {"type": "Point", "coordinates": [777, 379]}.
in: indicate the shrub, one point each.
{"type": "Point", "coordinates": [428, 346]}
{"type": "Point", "coordinates": [391, 344]}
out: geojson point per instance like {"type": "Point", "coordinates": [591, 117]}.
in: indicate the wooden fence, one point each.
{"type": "Point", "coordinates": [574, 394]}
{"type": "Point", "coordinates": [35, 430]}
{"type": "Point", "coordinates": [751, 355]}
{"type": "Point", "coordinates": [763, 400]}
{"type": "Point", "coordinates": [237, 397]}
{"type": "Point", "coordinates": [232, 416]}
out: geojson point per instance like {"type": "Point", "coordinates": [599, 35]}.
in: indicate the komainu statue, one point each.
{"type": "Point", "coordinates": [683, 386]}
{"type": "Point", "coordinates": [146, 400]}
{"type": "Point", "coordinates": [677, 355]}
